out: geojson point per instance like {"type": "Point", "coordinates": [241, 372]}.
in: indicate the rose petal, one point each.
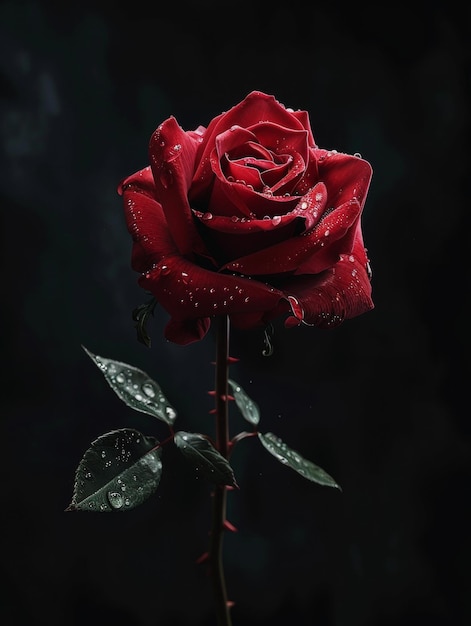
{"type": "Point", "coordinates": [310, 175]}
{"type": "Point", "coordinates": [285, 178]}
{"type": "Point", "coordinates": [287, 140]}
{"type": "Point", "coordinates": [227, 238]}
{"type": "Point", "coordinates": [172, 154]}
{"type": "Point", "coordinates": [233, 138]}
{"type": "Point", "coordinates": [241, 200]}
{"type": "Point", "coordinates": [311, 252]}
{"type": "Point", "coordinates": [256, 107]}
{"type": "Point", "coordinates": [344, 175]}
{"type": "Point", "coordinates": [303, 117]}
{"type": "Point", "coordinates": [145, 221]}
{"type": "Point", "coordinates": [187, 291]}
{"type": "Point", "coordinates": [244, 227]}
{"type": "Point", "coordinates": [184, 332]}
{"type": "Point", "coordinates": [339, 293]}
{"type": "Point", "coordinates": [232, 237]}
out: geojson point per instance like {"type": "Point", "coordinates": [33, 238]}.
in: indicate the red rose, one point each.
{"type": "Point", "coordinates": [249, 218]}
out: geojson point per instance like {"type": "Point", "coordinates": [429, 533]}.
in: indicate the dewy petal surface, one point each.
{"type": "Point", "coordinates": [145, 221]}
{"type": "Point", "coordinates": [309, 248]}
{"type": "Point", "coordinates": [344, 175]}
{"type": "Point", "coordinates": [339, 293]}
{"type": "Point", "coordinates": [256, 107]}
{"type": "Point", "coordinates": [172, 153]}
{"type": "Point", "coordinates": [188, 291]}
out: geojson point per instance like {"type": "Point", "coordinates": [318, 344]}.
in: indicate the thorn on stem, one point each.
{"type": "Point", "coordinates": [228, 526]}
{"type": "Point", "coordinates": [203, 558]}
{"type": "Point", "coordinates": [232, 359]}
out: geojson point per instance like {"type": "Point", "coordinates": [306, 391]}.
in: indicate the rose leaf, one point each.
{"type": "Point", "coordinates": [204, 456]}
{"type": "Point", "coordinates": [246, 405]}
{"type": "Point", "coordinates": [119, 471]}
{"type": "Point", "coordinates": [293, 459]}
{"type": "Point", "coordinates": [135, 388]}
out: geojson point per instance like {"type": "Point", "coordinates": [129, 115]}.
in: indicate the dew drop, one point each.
{"type": "Point", "coordinates": [148, 390]}
{"type": "Point", "coordinates": [115, 499]}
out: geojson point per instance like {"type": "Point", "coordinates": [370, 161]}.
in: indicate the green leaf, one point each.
{"type": "Point", "coordinates": [119, 471]}
{"type": "Point", "coordinates": [135, 388]}
{"type": "Point", "coordinates": [204, 456]}
{"type": "Point", "coordinates": [247, 406]}
{"type": "Point", "coordinates": [293, 459]}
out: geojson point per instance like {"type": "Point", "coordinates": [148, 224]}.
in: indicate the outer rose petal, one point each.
{"type": "Point", "coordinates": [172, 154]}
{"type": "Point", "coordinates": [145, 221]}
{"type": "Point", "coordinates": [189, 292]}
{"type": "Point", "coordinates": [344, 175]}
{"type": "Point", "coordinates": [341, 292]}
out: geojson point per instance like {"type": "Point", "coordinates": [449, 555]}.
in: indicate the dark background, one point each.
{"type": "Point", "coordinates": [381, 402]}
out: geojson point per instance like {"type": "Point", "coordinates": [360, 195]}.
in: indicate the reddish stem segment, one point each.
{"type": "Point", "coordinates": [220, 491]}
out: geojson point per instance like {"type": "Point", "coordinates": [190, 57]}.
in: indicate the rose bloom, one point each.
{"type": "Point", "coordinates": [249, 218]}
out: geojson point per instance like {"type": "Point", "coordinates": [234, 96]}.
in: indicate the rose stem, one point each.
{"type": "Point", "coordinates": [220, 492]}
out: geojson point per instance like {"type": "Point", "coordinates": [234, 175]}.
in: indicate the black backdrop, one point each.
{"type": "Point", "coordinates": [381, 402]}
